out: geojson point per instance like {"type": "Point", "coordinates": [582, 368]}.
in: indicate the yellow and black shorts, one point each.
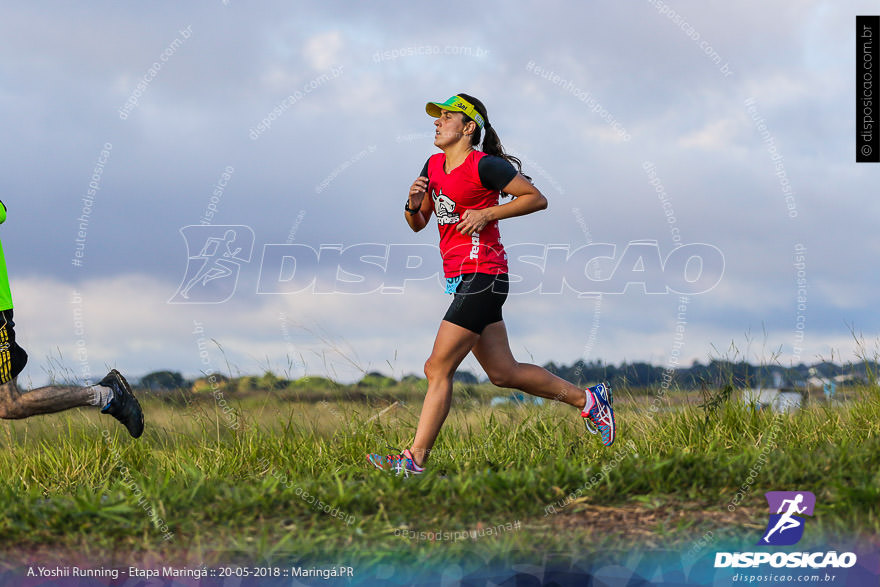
{"type": "Point", "coordinates": [12, 357]}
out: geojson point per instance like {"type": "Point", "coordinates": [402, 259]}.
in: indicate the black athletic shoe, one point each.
{"type": "Point", "coordinates": [123, 405]}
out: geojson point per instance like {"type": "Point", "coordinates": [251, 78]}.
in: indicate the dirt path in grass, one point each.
{"type": "Point", "coordinates": [651, 526]}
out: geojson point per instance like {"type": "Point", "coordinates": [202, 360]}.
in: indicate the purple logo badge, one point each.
{"type": "Point", "coordinates": [785, 527]}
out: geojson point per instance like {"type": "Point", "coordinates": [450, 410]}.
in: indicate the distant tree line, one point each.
{"type": "Point", "coordinates": [715, 373]}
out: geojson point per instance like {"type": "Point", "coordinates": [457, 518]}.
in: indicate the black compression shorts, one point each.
{"type": "Point", "coordinates": [478, 300]}
{"type": "Point", "coordinates": [12, 357]}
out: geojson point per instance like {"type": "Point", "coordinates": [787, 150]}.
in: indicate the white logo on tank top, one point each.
{"type": "Point", "coordinates": [444, 207]}
{"type": "Point", "coordinates": [475, 245]}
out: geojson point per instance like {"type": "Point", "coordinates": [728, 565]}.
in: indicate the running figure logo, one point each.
{"type": "Point", "coordinates": [785, 527]}
{"type": "Point", "coordinates": [212, 274]}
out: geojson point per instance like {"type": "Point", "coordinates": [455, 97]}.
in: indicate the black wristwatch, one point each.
{"type": "Point", "coordinates": [408, 209]}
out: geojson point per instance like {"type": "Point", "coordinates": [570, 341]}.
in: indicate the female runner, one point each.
{"type": "Point", "coordinates": [464, 186]}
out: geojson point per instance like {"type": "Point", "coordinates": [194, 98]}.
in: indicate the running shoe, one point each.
{"type": "Point", "coordinates": [123, 405]}
{"type": "Point", "coordinates": [383, 462]}
{"type": "Point", "coordinates": [601, 415]}
{"type": "Point", "coordinates": [400, 464]}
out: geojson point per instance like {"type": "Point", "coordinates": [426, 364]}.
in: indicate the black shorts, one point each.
{"type": "Point", "coordinates": [12, 357]}
{"type": "Point", "coordinates": [478, 300]}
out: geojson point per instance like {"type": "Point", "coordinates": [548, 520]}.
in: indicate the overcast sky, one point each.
{"type": "Point", "coordinates": [729, 126]}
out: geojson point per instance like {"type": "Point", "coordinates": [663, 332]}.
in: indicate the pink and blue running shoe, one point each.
{"type": "Point", "coordinates": [400, 464]}
{"type": "Point", "coordinates": [601, 415]}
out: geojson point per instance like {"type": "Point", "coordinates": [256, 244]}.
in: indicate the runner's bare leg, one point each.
{"type": "Point", "coordinates": [15, 405]}
{"type": "Point", "coordinates": [451, 346]}
{"type": "Point", "coordinates": [492, 351]}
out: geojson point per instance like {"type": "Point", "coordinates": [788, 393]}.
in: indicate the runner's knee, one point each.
{"type": "Point", "coordinates": [504, 376]}
{"type": "Point", "coordinates": [435, 369]}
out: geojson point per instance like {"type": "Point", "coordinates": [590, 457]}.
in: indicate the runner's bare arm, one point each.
{"type": "Point", "coordinates": [417, 199]}
{"type": "Point", "coordinates": [526, 199]}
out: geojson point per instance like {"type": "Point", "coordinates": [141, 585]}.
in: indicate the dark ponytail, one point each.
{"type": "Point", "coordinates": [491, 142]}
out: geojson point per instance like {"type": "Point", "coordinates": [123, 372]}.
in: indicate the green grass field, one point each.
{"type": "Point", "coordinates": [514, 479]}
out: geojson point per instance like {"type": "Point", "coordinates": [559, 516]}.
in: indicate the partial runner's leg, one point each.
{"type": "Point", "coordinates": [493, 353]}
{"type": "Point", "coordinates": [112, 394]}
{"type": "Point", "coordinates": [451, 346]}
{"type": "Point", "coordinates": [15, 405]}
